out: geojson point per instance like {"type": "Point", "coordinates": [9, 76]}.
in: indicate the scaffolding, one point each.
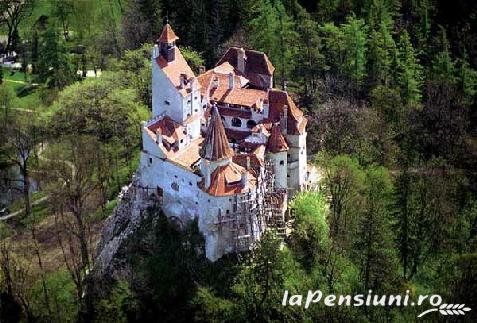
{"type": "Point", "coordinates": [253, 213]}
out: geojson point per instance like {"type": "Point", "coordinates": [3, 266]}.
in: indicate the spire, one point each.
{"type": "Point", "coordinates": [167, 36]}
{"type": "Point", "coordinates": [276, 141]}
{"type": "Point", "coordinates": [216, 146]}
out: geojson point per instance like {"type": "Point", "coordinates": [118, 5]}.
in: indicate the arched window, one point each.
{"type": "Point", "coordinates": [236, 122]}
{"type": "Point", "coordinates": [251, 124]}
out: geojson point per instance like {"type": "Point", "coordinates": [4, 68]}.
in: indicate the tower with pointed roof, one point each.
{"type": "Point", "coordinates": [215, 149]}
{"type": "Point", "coordinates": [175, 89]}
{"type": "Point", "coordinates": [277, 149]}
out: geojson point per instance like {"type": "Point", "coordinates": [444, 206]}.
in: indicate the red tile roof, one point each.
{"type": "Point", "coordinates": [296, 122]}
{"type": "Point", "coordinates": [216, 145]}
{"type": "Point", "coordinates": [175, 68]}
{"type": "Point", "coordinates": [256, 62]}
{"type": "Point", "coordinates": [236, 134]}
{"type": "Point", "coordinates": [238, 95]}
{"type": "Point", "coordinates": [167, 35]}
{"type": "Point", "coordinates": [276, 142]}
{"type": "Point", "coordinates": [170, 130]}
{"type": "Point", "coordinates": [239, 113]}
{"type": "Point", "coordinates": [226, 180]}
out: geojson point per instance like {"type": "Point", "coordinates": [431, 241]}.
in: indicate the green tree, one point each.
{"type": "Point", "coordinates": [343, 183]}
{"type": "Point", "coordinates": [63, 10]}
{"type": "Point", "coordinates": [271, 30]}
{"type": "Point", "coordinates": [54, 65]}
{"type": "Point", "coordinates": [355, 34]}
{"type": "Point", "coordinates": [333, 46]}
{"type": "Point", "coordinates": [467, 80]}
{"type": "Point", "coordinates": [381, 49]}
{"type": "Point", "coordinates": [408, 71]}
{"type": "Point", "coordinates": [310, 237]}
{"type": "Point", "coordinates": [310, 60]}
{"type": "Point", "coordinates": [443, 67]}
{"type": "Point", "coordinates": [374, 241]}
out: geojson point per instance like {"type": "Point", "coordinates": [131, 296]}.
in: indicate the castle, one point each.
{"type": "Point", "coordinates": [223, 147]}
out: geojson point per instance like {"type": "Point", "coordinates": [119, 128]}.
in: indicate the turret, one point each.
{"type": "Point", "coordinates": [215, 149]}
{"type": "Point", "coordinates": [167, 43]}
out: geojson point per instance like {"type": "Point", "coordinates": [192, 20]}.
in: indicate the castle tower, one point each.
{"type": "Point", "coordinates": [175, 89]}
{"type": "Point", "coordinates": [277, 148]}
{"type": "Point", "coordinates": [215, 149]}
{"type": "Point", "coordinates": [167, 43]}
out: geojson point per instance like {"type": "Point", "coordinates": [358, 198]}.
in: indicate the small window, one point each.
{"type": "Point", "coordinates": [227, 212]}
{"type": "Point", "coordinates": [182, 140]}
{"type": "Point", "coordinates": [236, 122]}
{"type": "Point", "coordinates": [196, 110]}
{"type": "Point", "coordinates": [190, 183]}
{"type": "Point", "coordinates": [150, 161]}
{"type": "Point", "coordinates": [175, 186]}
{"type": "Point", "coordinates": [167, 102]}
{"type": "Point", "coordinates": [251, 124]}
{"type": "Point", "coordinates": [282, 162]}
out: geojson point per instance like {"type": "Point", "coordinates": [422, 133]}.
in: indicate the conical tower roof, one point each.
{"type": "Point", "coordinates": [167, 35]}
{"type": "Point", "coordinates": [216, 146]}
{"type": "Point", "coordinates": [276, 141]}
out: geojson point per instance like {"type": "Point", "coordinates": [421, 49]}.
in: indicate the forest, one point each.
{"type": "Point", "coordinates": [389, 88]}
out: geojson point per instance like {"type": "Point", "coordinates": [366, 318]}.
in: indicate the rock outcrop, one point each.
{"type": "Point", "coordinates": [131, 211]}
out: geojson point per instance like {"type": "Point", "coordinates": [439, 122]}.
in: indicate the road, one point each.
{"type": "Point", "coordinates": [11, 215]}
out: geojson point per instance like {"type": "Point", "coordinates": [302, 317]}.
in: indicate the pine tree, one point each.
{"type": "Point", "coordinates": [53, 62]}
{"type": "Point", "coordinates": [374, 240]}
{"type": "Point", "coordinates": [443, 68]}
{"type": "Point", "coordinates": [271, 30]}
{"type": "Point", "coordinates": [467, 80]}
{"type": "Point", "coordinates": [310, 60]}
{"type": "Point", "coordinates": [381, 49]}
{"type": "Point", "coordinates": [381, 11]}
{"type": "Point", "coordinates": [408, 71]}
{"type": "Point", "coordinates": [355, 41]}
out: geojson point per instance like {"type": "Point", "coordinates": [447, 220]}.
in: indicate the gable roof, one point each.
{"type": "Point", "coordinates": [277, 99]}
{"type": "Point", "coordinates": [255, 62]}
{"type": "Point", "coordinates": [227, 180]}
{"type": "Point", "coordinates": [175, 68]}
{"type": "Point", "coordinates": [216, 145]}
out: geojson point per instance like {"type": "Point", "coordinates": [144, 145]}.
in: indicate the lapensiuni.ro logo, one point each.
{"type": "Point", "coordinates": [370, 299]}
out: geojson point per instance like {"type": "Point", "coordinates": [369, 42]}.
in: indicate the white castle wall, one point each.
{"type": "Point", "coordinates": [296, 161]}
{"type": "Point", "coordinates": [163, 90]}
{"type": "Point", "coordinates": [280, 167]}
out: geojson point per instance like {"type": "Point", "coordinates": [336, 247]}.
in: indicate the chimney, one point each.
{"type": "Point", "coordinates": [285, 83]}
{"type": "Point", "coordinates": [215, 82]}
{"type": "Point", "coordinates": [248, 163]}
{"type": "Point", "coordinates": [284, 120]}
{"type": "Point", "coordinates": [155, 51]}
{"type": "Point", "coordinates": [158, 138]}
{"type": "Point", "coordinates": [201, 69]}
{"type": "Point", "coordinates": [231, 81]}
{"type": "Point", "coordinates": [244, 178]}
{"type": "Point", "coordinates": [241, 60]}
{"type": "Point", "coordinates": [183, 80]}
